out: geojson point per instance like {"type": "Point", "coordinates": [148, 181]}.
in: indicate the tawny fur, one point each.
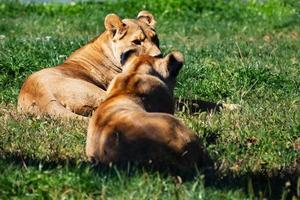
{"type": "Point", "coordinates": [76, 87]}
{"type": "Point", "coordinates": [135, 121]}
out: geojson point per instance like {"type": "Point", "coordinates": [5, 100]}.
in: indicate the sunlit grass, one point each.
{"type": "Point", "coordinates": [237, 52]}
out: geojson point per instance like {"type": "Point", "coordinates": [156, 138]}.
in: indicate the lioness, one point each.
{"type": "Point", "coordinates": [76, 87]}
{"type": "Point", "coordinates": [134, 122]}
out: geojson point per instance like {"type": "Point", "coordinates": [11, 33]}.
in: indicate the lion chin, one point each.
{"type": "Point", "coordinates": [135, 121]}
{"type": "Point", "coordinates": [75, 88]}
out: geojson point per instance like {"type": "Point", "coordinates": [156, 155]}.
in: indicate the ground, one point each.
{"type": "Point", "coordinates": [242, 52]}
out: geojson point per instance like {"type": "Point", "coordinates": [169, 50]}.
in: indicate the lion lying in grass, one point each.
{"type": "Point", "coordinates": [76, 87]}
{"type": "Point", "coordinates": [135, 121]}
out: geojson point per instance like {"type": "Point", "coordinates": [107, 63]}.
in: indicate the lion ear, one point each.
{"type": "Point", "coordinates": [146, 17]}
{"type": "Point", "coordinates": [175, 62]}
{"type": "Point", "coordinates": [114, 24]}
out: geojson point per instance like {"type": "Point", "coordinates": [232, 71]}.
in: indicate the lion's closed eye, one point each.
{"type": "Point", "coordinates": [137, 42]}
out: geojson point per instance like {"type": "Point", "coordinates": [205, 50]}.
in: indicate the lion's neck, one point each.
{"type": "Point", "coordinates": [97, 60]}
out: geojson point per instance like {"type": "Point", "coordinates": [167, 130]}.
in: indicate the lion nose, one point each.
{"type": "Point", "coordinates": [158, 55]}
{"type": "Point", "coordinates": [155, 52]}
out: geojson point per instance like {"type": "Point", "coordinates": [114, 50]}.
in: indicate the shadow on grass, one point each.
{"type": "Point", "coordinates": [191, 106]}
{"type": "Point", "coordinates": [281, 185]}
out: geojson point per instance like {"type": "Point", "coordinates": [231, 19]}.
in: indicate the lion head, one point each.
{"type": "Point", "coordinates": [150, 78]}
{"type": "Point", "coordinates": [132, 34]}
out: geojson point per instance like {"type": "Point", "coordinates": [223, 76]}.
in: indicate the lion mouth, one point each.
{"type": "Point", "coordinates": [127, 54]}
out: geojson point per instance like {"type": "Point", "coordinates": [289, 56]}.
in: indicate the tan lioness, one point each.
{"type": "Point", "coordinates": [76, 87]}
{"type": "Point", "coordinates": [133, 123]}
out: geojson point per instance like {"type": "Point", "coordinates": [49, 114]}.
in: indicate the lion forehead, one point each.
{"type": "Point", "coordinates": [139, 28]}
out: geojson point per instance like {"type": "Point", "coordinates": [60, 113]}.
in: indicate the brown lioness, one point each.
{"type": "Point", "coordinates": [133, 123]}
{"type": "Point", "coordinates": [76, 87]}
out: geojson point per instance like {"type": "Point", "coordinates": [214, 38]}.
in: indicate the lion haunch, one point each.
{"type": "Point", "coordinates": [135, 121]}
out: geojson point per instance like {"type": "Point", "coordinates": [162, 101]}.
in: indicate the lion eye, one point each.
{"type": "Point", "coordinates": [137, 42]}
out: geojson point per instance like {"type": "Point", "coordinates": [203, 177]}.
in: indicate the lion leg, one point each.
{"type": "Point", "coordinates": [46, 93]}
{"type": "Point", "coordinates": [43, 104]}
{"type": "Point", "coordinates": [78, 96]}
{"type": "Point", "coordinates": [54, 108]}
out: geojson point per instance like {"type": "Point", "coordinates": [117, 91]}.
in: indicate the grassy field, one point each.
{"type": "Point", "coordinates": [243, 52]}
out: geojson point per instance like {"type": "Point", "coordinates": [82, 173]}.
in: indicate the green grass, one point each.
{"type": "Point", "coordinates": [244, 52]}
